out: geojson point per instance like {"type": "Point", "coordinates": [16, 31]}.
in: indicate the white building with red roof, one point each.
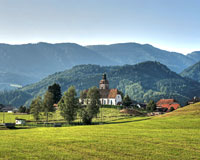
{"type": "Point", "coordinates": [108, 96]}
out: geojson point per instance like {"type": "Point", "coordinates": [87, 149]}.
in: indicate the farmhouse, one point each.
{"type": "Point", "coordinates": [108, 96]}
{"type": "Point", "coordinates": [163, 104]}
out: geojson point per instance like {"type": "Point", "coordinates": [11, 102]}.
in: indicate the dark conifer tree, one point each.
{"type": "Point", "coordinates": [56, 91]}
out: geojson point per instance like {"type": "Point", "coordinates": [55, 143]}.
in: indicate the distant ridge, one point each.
{"type": "Point", "coordinates": [133, 53]}
{"type": "Point", "coordinates": [39, 60]}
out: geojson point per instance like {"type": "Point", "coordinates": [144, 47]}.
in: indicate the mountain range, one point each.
{"type": "Point", "coordinates": [142, 82]}
{"type": "Point", "coordinates": [33, 62]}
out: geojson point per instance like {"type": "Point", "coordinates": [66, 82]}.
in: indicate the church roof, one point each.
{"type": "Point", "coordinates": [113, 93]}
{"type": "Point", "coordinates": [108, 93]}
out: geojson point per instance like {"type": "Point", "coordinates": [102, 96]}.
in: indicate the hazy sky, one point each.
{"type": "Point", "coordinates": [168, 24]}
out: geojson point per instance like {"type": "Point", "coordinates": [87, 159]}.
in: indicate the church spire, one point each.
{"type": "Point", "coordinates": [104, 84]}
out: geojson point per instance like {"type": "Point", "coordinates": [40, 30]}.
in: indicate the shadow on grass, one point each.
{"type": "Point", "coordinates": [128, 121]}
{"type": "Point", "coordinates": [14, 128]}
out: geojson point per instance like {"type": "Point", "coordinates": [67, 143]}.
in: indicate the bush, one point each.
{"type": "Point", "coordinates": [171, 109]}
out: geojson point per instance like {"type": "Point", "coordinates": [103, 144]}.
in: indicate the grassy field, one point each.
{"type": "Point", "coordinates": [171, 136]}
{"type": "Point", "coordinates": [108, 114]}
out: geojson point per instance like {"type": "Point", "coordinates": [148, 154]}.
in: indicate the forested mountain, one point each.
{"type": "Point", "coordinates": [37, 61]}
{"type": "Point", "coordinates": [144, 81]}
{"type": "Point", "coordinates": [133, 53]}
{"type": "Point", "coordinates": [192, 72]}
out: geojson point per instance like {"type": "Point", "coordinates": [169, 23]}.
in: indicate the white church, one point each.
{"type": "Point", "coordinates": [108, 96]}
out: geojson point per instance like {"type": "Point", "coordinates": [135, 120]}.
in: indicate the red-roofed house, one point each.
{"type": "Point", "coordinates": [167, 103]}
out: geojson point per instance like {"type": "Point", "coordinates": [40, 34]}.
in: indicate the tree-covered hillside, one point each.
{"type": "Point", "coordinates": [142, 82]}
{"type": "Point", "coordinates": [192, 72]}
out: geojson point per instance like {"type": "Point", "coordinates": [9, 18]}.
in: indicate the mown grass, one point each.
{"type": "Point", "coordinates": [172, 136]}
{"type": "Point", "coordinates": [105, 115]}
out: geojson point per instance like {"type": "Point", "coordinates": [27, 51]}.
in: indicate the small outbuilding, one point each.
{"type": "Point", "coordinates": [20, 121]}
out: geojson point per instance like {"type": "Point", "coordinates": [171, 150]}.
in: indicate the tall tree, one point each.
{"type": "Point", "coordinates": [69, 104]}
{"type": "Point", "coordinates": [36, 107]}
{"type": "Point", "coordinates": [48, 103]}
{"type": "Point", "coordinates": [22, 109]}
{"type": "Point", "coordinates": [151, 106]}
{"type": "Point", "coordinates": [56, 91]}
{"type": "Point", "coordinates": [92, 108]}
{"type": "Point", "coordinates": [127, 101]}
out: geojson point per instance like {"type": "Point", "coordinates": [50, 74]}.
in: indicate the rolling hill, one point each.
{"type": "Point", "coordinates": [143, 81]}
{"type": "Point", "coordinates": [192, 72]}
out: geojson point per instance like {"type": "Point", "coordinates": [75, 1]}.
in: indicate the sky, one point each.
{"type": "Point", "coordinates": [173, 25]}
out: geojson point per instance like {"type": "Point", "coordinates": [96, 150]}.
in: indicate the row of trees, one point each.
{"type": "Point", "coordinates": [68, 104]}
{"type": "Point", "coordinates": [46, 105]}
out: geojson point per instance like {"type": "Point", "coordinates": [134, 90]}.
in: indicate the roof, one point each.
{"type": "Point", "coordinates": [175, 105]}
{"type": "Point", "coordinates": [165, 101]}
{"type": "Point", "coordinates": [113, 93]}
{"type": "Point", "coordinates": [108, 93]}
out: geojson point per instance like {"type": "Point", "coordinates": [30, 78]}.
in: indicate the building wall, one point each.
{"type": "Point", "coordinates": [105, 101]}
{"type": "Point", "coordinates": [108, 101]}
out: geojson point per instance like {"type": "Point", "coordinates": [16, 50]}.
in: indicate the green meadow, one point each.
{"type": "Point", "coordinates": [173, 136]}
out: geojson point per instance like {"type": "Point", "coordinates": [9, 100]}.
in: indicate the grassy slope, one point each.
{"type": "Point", "coordinates": [175, 135]}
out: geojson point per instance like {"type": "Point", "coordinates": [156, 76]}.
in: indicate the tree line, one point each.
{"type": "Point", "coordinates": [68, 104]}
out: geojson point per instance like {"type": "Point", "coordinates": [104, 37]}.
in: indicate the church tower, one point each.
{"type": "Point", "coordinates": [104, 84]}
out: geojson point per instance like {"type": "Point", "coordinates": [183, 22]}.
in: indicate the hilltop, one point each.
{"type": "Point", "coordinates": [142, 82]}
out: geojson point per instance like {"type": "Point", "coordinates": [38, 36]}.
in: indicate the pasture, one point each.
{"type": "Point", "coordinates": [175, 135]}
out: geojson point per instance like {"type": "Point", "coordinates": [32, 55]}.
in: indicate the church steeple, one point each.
{"type": "Point", "coordinates": [104, 84]}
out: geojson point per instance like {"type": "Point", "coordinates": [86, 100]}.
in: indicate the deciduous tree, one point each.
{"type": "Point", "coordinates": [92, 108]}
{"type": "Point", "coordinates": [69, 105]}
{"type": "Point", "coordinates": [48, 103]}
{"type": "Point", "coordinates": [151, 106]}
{"type": "Point", "coordinates": [36, 107]}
